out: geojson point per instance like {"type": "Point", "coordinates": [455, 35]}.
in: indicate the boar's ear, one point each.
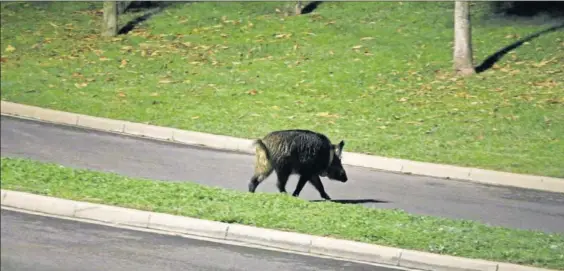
{"type": "Point", "coordinates": [339, 149]}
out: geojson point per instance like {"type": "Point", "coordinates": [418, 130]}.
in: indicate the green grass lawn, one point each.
{"type": "Point", "coordinates": [272, 210]}
{"type": "Point", "coordinates": [377, 74]}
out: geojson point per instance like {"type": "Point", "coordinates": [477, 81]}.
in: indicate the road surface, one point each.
{"type": "Point", "coordinates": [135, 157]}
{"type": "Point", "coordinates": [33, 242]}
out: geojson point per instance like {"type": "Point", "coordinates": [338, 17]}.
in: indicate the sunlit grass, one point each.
{"type": "Point", "coordinates": [385, 227]}
{"type": "Point", "coordinates": [377, 74]}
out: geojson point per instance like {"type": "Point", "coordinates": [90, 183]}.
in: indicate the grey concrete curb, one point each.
{"type": "Point", "coordinates": [244, 145]}
{"type": "Point", "coordinates": [290, 241]}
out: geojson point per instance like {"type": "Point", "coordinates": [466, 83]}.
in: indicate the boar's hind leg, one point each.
{"type": "Point", "coordinates": [257, 179]}
{"type": "Point", "coordinates": [263, 169]}
{"type": "Point", "coordinates": [316, 182]}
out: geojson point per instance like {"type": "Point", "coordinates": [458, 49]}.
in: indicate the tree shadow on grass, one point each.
{"type": "Point", "coordinates": [353, 201]}
{"type": "Point", "coordinates": [133, 23]}
{"type": "Point", "coordinates": [529, 8]}
{"type": "Point", "coordinates": [311, 6]}
{"type": "Point", "coordinates": [494, 58]}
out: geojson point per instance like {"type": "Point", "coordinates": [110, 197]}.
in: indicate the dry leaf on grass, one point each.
{"type": "Point", "coordinates": [327, 115]}
{"type": "Point", "coordinates": [80, 85]}
{"type": "Point", "coordinates": [10, 48]}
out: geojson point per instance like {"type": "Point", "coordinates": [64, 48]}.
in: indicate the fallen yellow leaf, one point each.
{"type": "Point", "coordinates": [327, 115]}
{"type": "Point", "coordinates": [10, 48]}
{"type": "Point", "coordinates": [283, 36]}
{"type": "Point", "coordinates": [81, 85]}
{"type": "Point", "coordinates": [542, 63]}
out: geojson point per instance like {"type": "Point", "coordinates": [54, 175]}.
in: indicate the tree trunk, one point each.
{"type": "Point", "coordinates": [462, 38]}
{"type": "Point", "coordinates": [299, 7]}
{"type": "Point", "coordinates": [109, 26]}
{"type": "Point", "coordinates": [122, 6]}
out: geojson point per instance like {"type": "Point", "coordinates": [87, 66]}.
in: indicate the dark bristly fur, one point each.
{"type": "Point", "coordinates": [306, 153]}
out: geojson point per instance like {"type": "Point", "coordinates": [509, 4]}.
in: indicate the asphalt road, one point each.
{"type": "Point", "coordinates": [33, 242]}
{"type": "Point", "coordinates": [512, 207]}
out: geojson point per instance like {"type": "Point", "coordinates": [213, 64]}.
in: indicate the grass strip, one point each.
{"type": "Point", "coordinates": [377, 74]}
{"type": "Point", "coordinates": [275, 211]}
